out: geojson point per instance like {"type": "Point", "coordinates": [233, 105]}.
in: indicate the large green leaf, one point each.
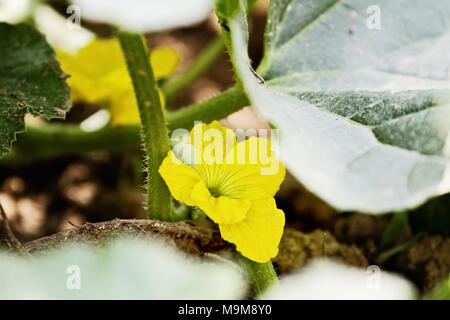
{"type": "Point", "coordinates": [327, 45]}
{"type": "Point", "coordinates": [30, 81]}
{"type": "Point", "coordinates": [364, 115]}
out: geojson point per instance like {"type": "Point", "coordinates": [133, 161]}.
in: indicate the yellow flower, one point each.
{"type": "Point", "coordinates": [234, 184]}
{"type": "Point", "coordinates": [99, 74]}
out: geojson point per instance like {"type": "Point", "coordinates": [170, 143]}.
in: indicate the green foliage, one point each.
{"type": "Point", "coordinates": [227, 8]}
{"type": "Point", "coordinates": [31, 81]}
{"type": "Point", "coordinates": [432, 218]}
{"type": "Point", "coordinates": [357, 127]}
{"type": "Point", "coordinates": [441, 292]}
{"type": "Point", "coordinates": [328, 45]}
{"type": "Point", "coordinates": [397, 224]}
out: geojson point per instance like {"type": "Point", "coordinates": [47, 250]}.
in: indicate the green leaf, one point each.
{"type": "Point", "coordinates": [364, 115]}
{"type": "Point", "coordinates": [395, 227]}
{"type": "Point", "coordinates": [432, 218]}
{"type": "Point", "coordinates": [441, 292]}
{"type": "Point", "coordinates": [227, 8]}
{"type": "Point", "coordinates": [123, 269]}
{"type": "Point", "coordinates": [327, 45]}
{"type": "Point", "coordinates": [31, 81]}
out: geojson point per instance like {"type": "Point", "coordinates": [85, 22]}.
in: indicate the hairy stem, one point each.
{"type": "Point", "coordinates": [173, 87]}
{"type": "Point", "coordinates": [45, 141]}
{"type": "Point", "coordinates": [261, 275]}
{"type": "Point", "coordinates": [154, 130]}
{"type": "Point", "coordinates": [212, 109]}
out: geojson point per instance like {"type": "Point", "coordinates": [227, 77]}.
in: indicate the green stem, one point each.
{"type": "Point", "coordinates": [207, 57]}
{"type": "Point", "coordinates": [154, 131]}
{"type": "Point", "coordinates": [398, 222]}
{"type": "Point", "coordinates": [212, 109]}
{"type": "Point", "coordinates": [386, 255]}
{"type": "Point", "coordinates": [261, 275]}
{"type": "Point", "coordinates": [46, 141]}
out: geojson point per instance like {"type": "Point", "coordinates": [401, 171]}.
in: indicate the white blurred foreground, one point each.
{"type": "Point", "coordinates": [327, 279]}
{"type": "Point", "coordinates": [146, 15]}
{"type": "Point", "coordinates": [124, 269]}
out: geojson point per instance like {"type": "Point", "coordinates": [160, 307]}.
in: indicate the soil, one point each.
{"type": "Point", "coordinates": [188, 237]}
{"type": "Point", "coordinates": [72, 197]}
{"type": "Point", "coordinates": [427, 262]}
{"type": "Point", "coordinates": [296, 248]}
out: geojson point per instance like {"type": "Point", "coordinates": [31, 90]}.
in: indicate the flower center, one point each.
{"type": "Point", "coordinates": [219, 180]}
{"type": "Point", "coordinates": [215, 191]}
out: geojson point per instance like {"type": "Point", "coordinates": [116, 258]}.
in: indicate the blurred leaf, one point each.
{"type": "Point", "coordinates": [347, 139]}
{"type": "Point", "coordinates": [433, 217]}
{"type": "Point", "coordinates": [325, 279]}
{"type": "Point", "coordinates": [146, 15]}
{"type": "Point", "coordinates": [441, 292]}
{"type": "Point", "coordinates": [124, 269]}
{"type": "Point", "coordinates": [14, 11]}
{"type": "Point", "coordinates": [397, 224]}
{"type": "Point", "coordinates": [388, 254]}
{"type": "Point", "coordinates": [31, 81]}
{"type": "Point", "coordinates": [57, 30]}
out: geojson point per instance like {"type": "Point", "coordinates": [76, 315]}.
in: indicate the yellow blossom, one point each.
{"type": "Point", "coordinates": [232, 183]}
{"type": "Point", "coordinates": [98, 74]}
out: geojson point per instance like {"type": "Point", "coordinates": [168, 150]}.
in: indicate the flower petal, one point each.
{"type": "Point", "coordinates": [99, 74]}
{"type": "Point", "coordinates": [181, 179]}
{"type": "Point", "coordinates": [257, 237]}
{"type": "Point", "coordinates": [224, 210]}
{"type": "Point", "coordinates": [97, 71]}
{"type": "Point", "coordinates": [256, 172]}
{"type": "Point", "coordinates": [164, 61]}
{"type": "Point", "coordinates": [187, 186]}
{"type": "Point", "coordinates": [246, 170]}
{"type": "Point", "coordinates": [211, 143]}
{"type": "Point", "coordinates": [124, 110]}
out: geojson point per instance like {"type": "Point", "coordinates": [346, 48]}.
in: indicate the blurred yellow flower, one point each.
{"type": "Point", "coordinates": [98, 74]}
{"type": "Point", "coordinates": [233, 184]}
